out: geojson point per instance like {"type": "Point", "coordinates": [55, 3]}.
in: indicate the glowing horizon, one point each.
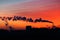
{"type": "Point", "coordinates": [46, 9]}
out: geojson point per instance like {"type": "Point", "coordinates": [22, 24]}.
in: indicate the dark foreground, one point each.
{"type": "Point", "coordinates": [31, 33]}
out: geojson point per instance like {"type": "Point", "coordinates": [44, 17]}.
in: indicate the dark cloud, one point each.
{"type": "Point", "coordinates": [46, 21]}
{"type": "Point", "coordinates": [15, 18]}
{"type": "Point", "coordinates": [19, 18]}
{"type": "Point", "coordinates": [30, 20]}
{"type": "Point", "coordinates": [40, 20]}
{"type": "Point", "coordinates": [23, 18]}
{"type": "Point", "coordinates": [9, 18]}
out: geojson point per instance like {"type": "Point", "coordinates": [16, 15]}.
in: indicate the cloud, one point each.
{"type": "Point", "coordinates": [30, 20]}
{"type": "Point", "coordinates": [15, 18]}
{"type": "Point", "coordinates": [40, 20]}
{"type": "Point", "coordinates": [34, 6]}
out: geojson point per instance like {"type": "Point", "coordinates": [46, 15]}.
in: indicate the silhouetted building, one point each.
{"type": "Point", "coordinates": [28, 28]}
{"type": "Point", "coordinates": [11, 29]}
{"type": "Point", "coordinates": [54, 27]}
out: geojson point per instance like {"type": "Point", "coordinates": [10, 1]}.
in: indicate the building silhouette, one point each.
{"type": "Point", "coordinates": [28, 28]}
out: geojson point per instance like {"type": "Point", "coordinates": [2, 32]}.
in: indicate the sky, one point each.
{"type": "Point", "coordinates": [46, 9]}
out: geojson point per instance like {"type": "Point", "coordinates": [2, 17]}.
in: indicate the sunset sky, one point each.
{"type": "Point", "coordinates": [46, 9]}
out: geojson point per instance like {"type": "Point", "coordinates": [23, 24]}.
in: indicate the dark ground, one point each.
{"type": "Point", "coordinates": [31, 33]}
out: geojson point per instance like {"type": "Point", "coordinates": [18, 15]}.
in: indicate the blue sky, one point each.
{"type": "Point", "coordinates": [4, 3]}
{"type": "Point", "coordinates": [11, 1]}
